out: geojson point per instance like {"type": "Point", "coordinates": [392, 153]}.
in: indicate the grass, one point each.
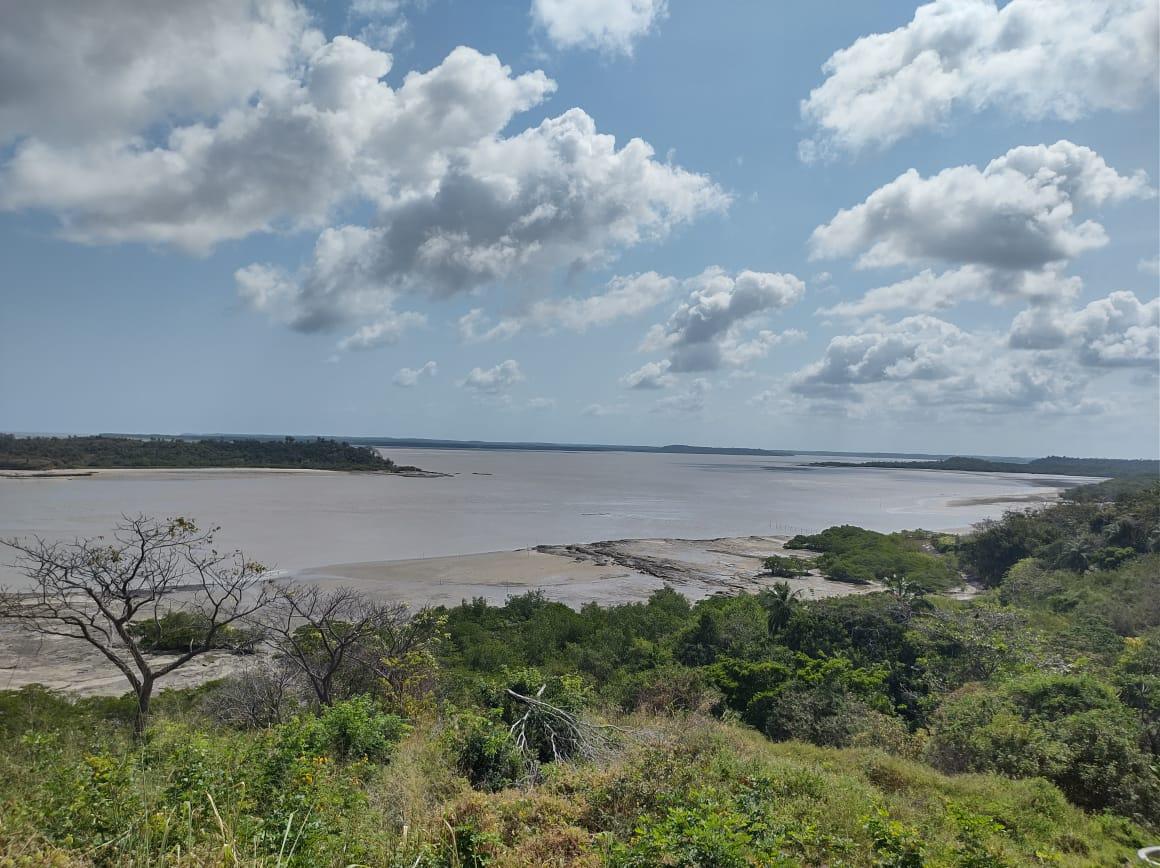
{"type": "Point", "coordinates": [716, 792]}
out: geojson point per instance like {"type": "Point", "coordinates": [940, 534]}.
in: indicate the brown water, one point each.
{"type": "Point", "coordinates": [498, 501]}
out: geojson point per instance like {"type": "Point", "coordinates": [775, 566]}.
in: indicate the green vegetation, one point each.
{"type": "Point", "coordinates": [1020, 727]}
{"type": "Point", "coordinates": [1053, 464]}
{"type": "Point", "coordinates": [175, 632]}
{"type": "Point", "coordinates": [1076, 535]}
{"type": "Point", "coordinates": [787, 567]}
{"type": "Point", "coordinates": [851, 554]}
{"type": "Point", "coordinates": [57, 453]}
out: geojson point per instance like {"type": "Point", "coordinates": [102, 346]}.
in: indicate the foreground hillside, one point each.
{"type": "Point", "coordinates": [675, 790]}
{"type": "Point", "coordinates": [900, 727]}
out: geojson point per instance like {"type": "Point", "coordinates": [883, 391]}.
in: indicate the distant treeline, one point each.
{"type": "Point", "coordinates": [60, 453]}
{"type": "Point", "coordinates": [1112, 467]}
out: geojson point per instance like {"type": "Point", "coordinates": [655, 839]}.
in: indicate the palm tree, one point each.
{"type": "Point", "coordinates": [778, 602]}
{"type": "Point", "coordinates": [908, 594]}
{"type": "Point", "coordinates": [1075, 555]}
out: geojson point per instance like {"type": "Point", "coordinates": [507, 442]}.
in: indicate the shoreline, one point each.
{"type": "Point", "coordinates": [90, 472]}
{"type": "Point", "coordinates": [609, 573]}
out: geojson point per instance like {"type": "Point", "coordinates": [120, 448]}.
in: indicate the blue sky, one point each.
{"type": "Point", "coordinates": [388, 217]}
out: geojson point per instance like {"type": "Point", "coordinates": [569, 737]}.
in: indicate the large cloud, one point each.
{"type": "Point", "coordinates": [184, 150]}
{"type": "Point", "coordinates": [1112, 332]}
{"type": "Point", "coordinates": [75, 71]}
{"type": "Point", "coordinates": [557, 196]}
{"type": "Point", "coordinates": [298, 148]}
{"type": "Point", "coordinates": [1019, 212]}
{"type": "Point", "coordinates": [713, 326]}
{"type": "Point", "coordinates": [609, 25]}
{"type": "Point", "coordinates": [918, 347]}
{"type": "Point", "coordinates": [1031, 58]}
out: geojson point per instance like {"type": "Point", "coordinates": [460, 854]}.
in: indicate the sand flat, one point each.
{"type": "Point", "coordinates": [494, 576]}
{"type": "Point", "coordinates": [610, 572]}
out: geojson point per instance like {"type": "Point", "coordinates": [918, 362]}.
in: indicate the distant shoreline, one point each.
{"type": "Point", "coordinates": [84, 472]}
{"type": "Point", "coordinates": [46, 454]}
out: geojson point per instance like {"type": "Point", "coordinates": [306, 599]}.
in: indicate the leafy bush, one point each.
{"type": "Point", "coordinates": [669, 689]}
{"type": "Point", "coordinates": [895, 844]}
{"type": "Point", "coordinates": [1137, 677]}
{"type": "Point", "coordinates": [787, 567]}
{"type": "Point", "coordinates": [853, 554]}
{"type": "Point", "coordinates": [701, 832]}
{"type": "Point", "coordinates": [483, 751]}
{"type": "Point", "coordinates": [348, 730]}
{"type": "Point", "coordinates": [1072, 730]}
{"type": "Point", "coordinates": [177, 631]}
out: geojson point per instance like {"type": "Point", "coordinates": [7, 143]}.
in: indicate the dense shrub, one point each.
{"type": "Point", "coordinates": [348, 730]}
{"type": "Point", "coordinates": [852, 554]}
{"type": "Point", "coordinates": [177, 631]}
{"type": "Point", "coordinates": [483, 751]}
{"type": "Point", "coordinates": [1072, 730]}
{"type": "Point", "coordinates": [1078, 535]}
{"type": "Point", "coordinates": [787, 567]}
{"type": "Point", "coordinates": [668, 689]}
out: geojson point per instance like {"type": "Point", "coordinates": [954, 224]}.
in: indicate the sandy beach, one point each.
{"type": "Point", "coordinates": [610, 572]}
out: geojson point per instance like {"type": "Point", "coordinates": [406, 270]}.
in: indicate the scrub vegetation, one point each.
{"type": "Point", "coordinates": [900, 727]}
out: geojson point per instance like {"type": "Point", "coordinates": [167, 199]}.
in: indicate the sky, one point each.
{"type": "Point", "coordinates": [831, 226]}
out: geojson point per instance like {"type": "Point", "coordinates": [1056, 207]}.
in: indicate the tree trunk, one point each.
{"type": "Point", "coordinates": [144, 697]}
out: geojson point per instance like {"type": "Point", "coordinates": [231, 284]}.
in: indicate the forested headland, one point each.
{"type": "Point", "coordinates": [903, 727]}
{"type": "Point", "coordinates": [73, 453]}
{"type": "Point", "coordinates": [1123, 468]}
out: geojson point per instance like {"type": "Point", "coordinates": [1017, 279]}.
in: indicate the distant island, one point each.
{"type": "Point", "coordinates": [531, 446]}
{"type": "Point", "coordinates": [77, 453]}
{"type": "Point", "coordinates": [1117, 468]}
{"type": "Point", "coordinates": [543, 446]}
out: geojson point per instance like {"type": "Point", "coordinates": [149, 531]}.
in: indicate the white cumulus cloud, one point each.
{"type": "Point", "coordinates": [712, 326]}
{"type": "Point", "coordinates": [925, 364]}
{"type": "Point", "coordinates": [622, 298]}
{"type": "Point", "coordinates": [408, 377]}
{"type": "Point", "coordinates": [612, 26]}
{"type": "Point", "coordinates": [929, 291]}
{"type": "Point", "coordinates": [192, 124]}
{"type": "Point", "coordinates": [651, 375]}
{"type": "Point", "coordinates": [557, 196]}
{"type": "Point", "coordinates": [1018, 212]}
{"type": "Point", "coordinates": [1112, 332]}
{"type": "Point", "coordinates": [1032, 59]}
{"type": "Point", "coordinates": [494, 380]}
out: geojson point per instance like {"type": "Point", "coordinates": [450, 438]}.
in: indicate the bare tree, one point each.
{"type": "Point", "coordinates": [263, 694]}
{"type": "Point", "coordinates": [112, 594]}
{"type": "Point", "coordinates": [324, 632]}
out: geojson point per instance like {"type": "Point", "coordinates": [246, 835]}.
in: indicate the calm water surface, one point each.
{"type": "Point", "coordinates": [499, 501]}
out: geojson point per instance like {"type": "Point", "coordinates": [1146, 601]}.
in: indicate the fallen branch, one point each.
{"type": "Point", "coordinates": [566, 735]}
